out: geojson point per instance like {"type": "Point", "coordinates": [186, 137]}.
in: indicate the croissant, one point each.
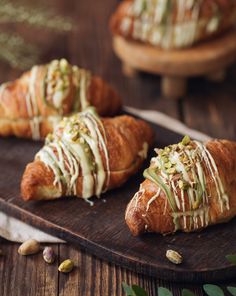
{"type": "Point", "coordinates": [187, 187]}
{"type": "Point", "coordinates": [31, 105]}
{"type": "Point", "coordinates": [86, 156]}
{"type": "Point", "coordinates": [172, 23]}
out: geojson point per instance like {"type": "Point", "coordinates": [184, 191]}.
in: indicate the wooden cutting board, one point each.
{"type": "Point", "coordinates": [101, 229]}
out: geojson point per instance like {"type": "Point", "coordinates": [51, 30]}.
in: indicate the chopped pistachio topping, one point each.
{"type": "Point", "coordinates": [61, 77]}
{"type": "Point", "coordinates": [180, 171]}
{"type": "Point", "coordinates": [73, 150]}
{"type": "Point", "coordinates": [186, 140]}
{"type": "Point", "coordinates": [57, 82]}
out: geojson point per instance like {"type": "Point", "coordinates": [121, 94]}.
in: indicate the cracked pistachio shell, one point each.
{"type": "Point", "coordinates": [49, 255]}
{"type": "Point", "coordinates": [174, 257]}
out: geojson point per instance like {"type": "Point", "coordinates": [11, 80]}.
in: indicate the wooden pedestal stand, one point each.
{"type": "Point", "coordinates": [208, 59]}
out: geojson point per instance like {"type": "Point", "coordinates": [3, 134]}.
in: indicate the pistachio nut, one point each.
{"type": "Point", "coordinates": [66, 266]}
{"type": "Point", "coordinates": [49, 255]}
{"type": "Point", "coordinates": [29, 247]}
{"type": "Point", "coordinates": [174, 257]}
{"type": "Point", "coordinates": [186, 140]}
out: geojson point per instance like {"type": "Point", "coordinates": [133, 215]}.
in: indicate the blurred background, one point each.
{"type": "Point", "coordinates": [36, 32]}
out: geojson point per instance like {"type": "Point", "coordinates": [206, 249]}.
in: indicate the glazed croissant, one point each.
{"type": "Point", "coordinates": [172, 23]}
{"type": "Point", "coordinates": [188, 186]}
{"type": "Point", "coordinates": [34, 103]}
{"type": "Point", "coordinates": [86, 156]}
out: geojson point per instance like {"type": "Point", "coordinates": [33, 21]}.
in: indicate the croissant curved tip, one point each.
{"type": "Point", "coordinates": [133, 220]}
{"type": "Point", "coordinates": [35, 184]}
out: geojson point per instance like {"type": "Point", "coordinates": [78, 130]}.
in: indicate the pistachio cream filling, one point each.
{"type": "Point", "coordinates": [78, 148]}
{"type": "Point", "coordinates": [180, 171]}
{"type": "Point", "coordinates": [152, 21]}
{"type": "Point", "coordinates": [60, 78]}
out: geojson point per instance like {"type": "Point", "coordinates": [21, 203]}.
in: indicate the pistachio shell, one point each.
{"type": "Point", "coordinates": [174, 257]}
{"type": "Point", "coordinates": [49, 255]}
{"type": "Point", "coordinates": [66, 266]}
{"type": "Point", "coordinates": [29, 247]}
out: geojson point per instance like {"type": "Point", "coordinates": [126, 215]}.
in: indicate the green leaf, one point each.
{"type": "Point", "coordinates": [164, 292]}
{"type": "Point", "coordinates": [231, 258]}
{"type": "Point", "coordinates": [139, 291]}
{"type": "Point", "coordinates": [186, 292]}
{"type": "Point", "coordinates": [232, 290]}
{"type": "Point", "coordinates": [128, 290]}
{"type": "Point", "coordinates": [213, 290]}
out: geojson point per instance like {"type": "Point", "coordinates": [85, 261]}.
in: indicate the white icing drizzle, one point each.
{"type": "Point", "coordinates": [2, 90]}
{"type": "Point", "coordinates": [154, 197]}
{"type": "Point", "coordinates": [32, 105]}
{"type": "Point", "coordinates": [143, 152]}
{"type": "Point", "coordinates": [189, 163]}
{"type": "Point", "coordinates": [175, 195]}
{"type": "Point", "coordinates": [138, 195]}
{"type": "Point", "coordinates": [152, 21]}
{"type": "Point", "coordinates": [211, 166]}
{"type": "Point", "coordinates": [70, 158]}
{"type": "Point", "coordinates": [84, 83]}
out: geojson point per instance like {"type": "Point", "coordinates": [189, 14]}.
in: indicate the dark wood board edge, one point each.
{"type": "Point", "coordinates": [111, 256]}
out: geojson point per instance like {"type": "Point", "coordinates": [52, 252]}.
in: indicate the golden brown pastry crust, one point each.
{"type": "Point", "coordinates": [159, 217]}
{"type": "Point", "coordinates": [224, 9]}
{"type": "Point", "coordinates": [14, 114]}
{"type": "Point", "coordinates": [125, 139]}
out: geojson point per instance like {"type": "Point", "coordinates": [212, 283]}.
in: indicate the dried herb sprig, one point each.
{"type": "Point", "coordinates": [35, 16]}
{"type": "Point", "coordinates": [16, 52]}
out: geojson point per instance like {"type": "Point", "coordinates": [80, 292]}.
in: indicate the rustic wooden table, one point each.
{"type": "Point", "coordinates": [208, 107]}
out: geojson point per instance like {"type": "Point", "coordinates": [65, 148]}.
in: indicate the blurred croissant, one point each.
{"type": "Point", "coordinates": [86, 156]}
{"type": "Point", "coordinates": [188, 186]}
{"type": "Point", "coordinates": [172, 23]}
{"type": "Point", "coordinates": [31, 105]}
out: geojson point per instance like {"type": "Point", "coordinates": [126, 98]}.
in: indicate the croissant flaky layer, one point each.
{"type": "Point", "coordinates": [188, 187]}
{"type": "Point", "coordinates": [87, 156]}
{"type": "Point", "coordinates": [31, 105]}
{"type": "Point", "coordinates": [172, 24]}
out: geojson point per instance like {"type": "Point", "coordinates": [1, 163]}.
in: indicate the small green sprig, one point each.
{"type": "Point", "coordinates": [164, 292]}
{"type": "Point", "coordinates": [213, 290]}
{"type": "Point", "coordinates": [16, 52]}
{"type": "Point", "coordinates": [210, 290]}
{"type": "Point", "coordinates": [41, 17]}
{"type": "Point", "coordinates": [186, 292]}
{"type": "Point", "coordinates": [232, 290]}
{"type": "Point", "coordinates": [134, 290]}
{"type": "Point", "coordinates": [231, 258]}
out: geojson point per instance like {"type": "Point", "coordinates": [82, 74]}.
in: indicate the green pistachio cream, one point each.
{"type": "Point", "coordinates": [181, 171]}
{"type": "Point", "coordinates": [75, 149]}
{"type": "Point", "coordinates": [60, 78]}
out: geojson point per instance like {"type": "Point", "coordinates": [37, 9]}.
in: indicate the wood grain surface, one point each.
{"type": "Point", "coordinates": [101, 230]}
{"type": "Point", "coordinates": [209, 107]}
